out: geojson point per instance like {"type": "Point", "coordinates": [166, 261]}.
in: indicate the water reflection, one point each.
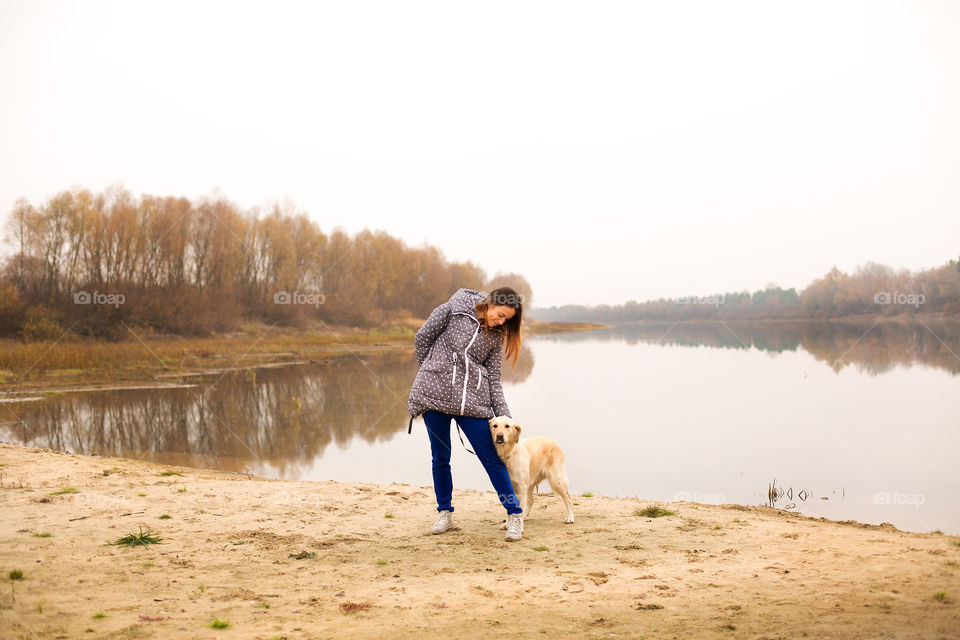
{"type": "Point", "coordinates": [855, 421]}
{"type": "Point", "coordinates": [873, 347]}
{"type": "Point", "coordinates": [786, 498]}
{"type": "Point", "coordinates": [282, 418]}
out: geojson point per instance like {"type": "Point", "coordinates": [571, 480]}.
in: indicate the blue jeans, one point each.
{"type": "Point", "coordinates": [478, 433]}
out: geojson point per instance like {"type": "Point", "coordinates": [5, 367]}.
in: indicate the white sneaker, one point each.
{"type": "Point", "coordinates": [514, 527]}
{"type": "Point", "coordinates": [444, 522]}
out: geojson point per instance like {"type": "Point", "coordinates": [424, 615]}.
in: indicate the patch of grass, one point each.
{"type": "Point", "coordinates": [64, 491]}
{"type": "Point", "coordinates": [351, 607]}
{"type": "Point", "coordinates": [171, 473]}
{"type": "Point", "coordinates": [164, 517]}
{"type": "Point", "coordinates": [380, 563]}
{"type": "Point", "coordinates": [586, 494]}
{"type": "Point", "coordinates": [15, 574]}
{"type": "Point", "coordinates": [654, 511]}
{"type": "Point", "coordinates": [940, 595]}
{"type": "Point", "coordinates": [181, 490]}
{"type": "Point", "coordinates": [951, 563]}
{"type": "Point", "coordinates": [265, 605]}
{"type": "Point", "coordinates": [937, 532]}
{"type": "Point", "coordinates": [107, 472]}
{"type": "Point", "coordinates": [39, 607]}
{"type": "Point", "coordinates": [388, 515]}
{"type": "Point", "coordinates": [217, 623]}
{"type": "Point", "coordinates": [98, 615]}
{"type": "Point", "coordinates": [141, 495]}
{"type": "Point", "coordinates": [239, 542]}
{"type": "Point", "coordinates": [539, 548]}
{"type": "Point", "coordinates": [45, 534]}
{"type": "Point", "coordinates": [147, 565]}
{"type": "Point", "coordinates": [955, 542]}
{"type": "Point", "coordinates": [141, 539]}
{"type": "Point", "coordinates": [717, 527]}
{"type": "Point", "coordinates": [303, 555]}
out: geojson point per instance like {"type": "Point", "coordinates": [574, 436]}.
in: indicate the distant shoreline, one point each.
{"type": "Point", "coordinates": [164, 359]}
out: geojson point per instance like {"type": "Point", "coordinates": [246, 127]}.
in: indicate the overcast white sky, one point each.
{"type": "Point", "coordinates": [607, 151]}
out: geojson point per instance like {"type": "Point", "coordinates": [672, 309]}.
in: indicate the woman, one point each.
{"type": "Point", "coordinates": [459, 349]}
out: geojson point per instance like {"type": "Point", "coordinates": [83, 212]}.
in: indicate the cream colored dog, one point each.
{"type": "Point", "coordinates": [529, 462]}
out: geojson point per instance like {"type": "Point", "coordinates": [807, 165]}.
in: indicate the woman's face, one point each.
{"type": "Point", "coordinates": [497, 314]}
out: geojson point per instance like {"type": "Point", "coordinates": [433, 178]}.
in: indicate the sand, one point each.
{"type": "Point", "coordinates": [372, 570]}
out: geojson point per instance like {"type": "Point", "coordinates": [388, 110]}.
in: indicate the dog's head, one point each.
{"type": "Point", "coordinates": [504, 431]}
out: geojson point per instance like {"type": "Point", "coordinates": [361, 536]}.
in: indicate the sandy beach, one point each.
{"type": "Point", "coordinates": [280, 559]}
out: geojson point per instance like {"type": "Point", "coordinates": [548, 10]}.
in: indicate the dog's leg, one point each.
{"type": "Point", "coordinates": [524, 499]}
{"type": "Point", "coordinates": [562, 488]}
{"type": "Point", "coordinates": [529, 505]}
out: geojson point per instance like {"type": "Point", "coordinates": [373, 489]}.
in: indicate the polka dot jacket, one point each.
{"type": "Point", "coordinates": [459, 362]}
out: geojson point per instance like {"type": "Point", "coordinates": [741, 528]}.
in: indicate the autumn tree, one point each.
{"type": "Point", "coordinates": [195, 267]}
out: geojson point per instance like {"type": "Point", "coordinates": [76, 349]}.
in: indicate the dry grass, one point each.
{"type": "Point", "coordinates": [534, 327]}
{"type": "Point", "coordinates": [351, 607]}
{"type": "Point", "coordinates": [73, 360]}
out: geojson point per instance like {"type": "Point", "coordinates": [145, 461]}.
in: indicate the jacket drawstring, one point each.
{"type": "Point", "coordinates": [466, 373]}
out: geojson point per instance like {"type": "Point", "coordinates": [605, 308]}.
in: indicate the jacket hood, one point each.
{"type": "Point", "coordinates": [463, 301]}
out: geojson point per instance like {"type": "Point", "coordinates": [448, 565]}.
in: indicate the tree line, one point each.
{"type": "Point", "coordinates": [871, 290]}
{"type": "Point", "coordinates": [96, 263]}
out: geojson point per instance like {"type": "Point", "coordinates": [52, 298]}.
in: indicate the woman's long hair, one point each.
{"type": "Point", "coordinates": [507, 297]}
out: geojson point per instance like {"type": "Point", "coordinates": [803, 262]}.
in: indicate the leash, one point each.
{"type": "Point", "coordinates": [462, 442]}
{"type": "Point", "coordinates": [459, 433]}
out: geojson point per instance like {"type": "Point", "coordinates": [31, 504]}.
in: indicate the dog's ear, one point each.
{"type": "Point", "coordinates": [517, 429]}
